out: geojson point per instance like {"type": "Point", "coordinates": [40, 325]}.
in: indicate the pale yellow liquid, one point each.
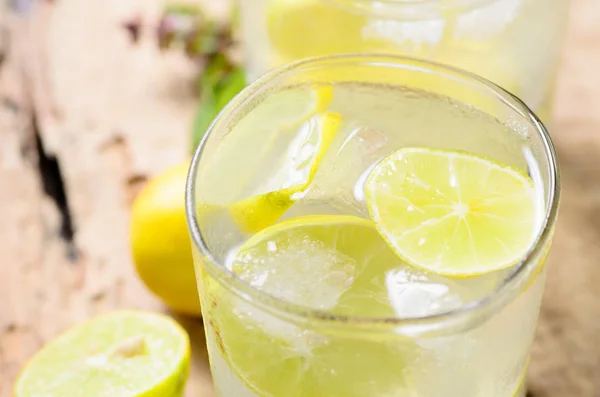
{"type": "Point", "coordinates": [514, 43]}
{"type": "Point", "coordinates": [256, 354]}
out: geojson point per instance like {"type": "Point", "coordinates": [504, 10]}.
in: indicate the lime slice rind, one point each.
{"type": "Point", "coordinates": [295, 360]}
{"type": "Point", "coordinates": [299, 166]}
{"type": "Point", "coordinates": [452, 213]}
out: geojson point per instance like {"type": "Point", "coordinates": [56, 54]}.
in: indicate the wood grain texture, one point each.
{"type": "Point", "coordinates": [114, 114]}
{"type": "Point", "coordinates": [566, 355]}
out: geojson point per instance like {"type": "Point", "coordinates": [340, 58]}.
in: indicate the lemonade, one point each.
{"type": "Point", "coordinates": [515, 43]}
{"type": "Point", "coordinates": [371, 226]}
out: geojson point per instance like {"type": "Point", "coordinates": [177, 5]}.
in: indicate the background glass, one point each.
{"type": "Point", "coordinates": [514, 43]}
{"type": "Point", "coordinates": [479, 349]}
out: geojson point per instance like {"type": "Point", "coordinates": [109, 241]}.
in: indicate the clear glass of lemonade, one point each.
{"type": "Point", "coordinates": [372, 226]}
{"type": "Point", "coordinates": [514, 43]}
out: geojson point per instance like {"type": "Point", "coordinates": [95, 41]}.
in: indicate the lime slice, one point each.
{"type": "Point", "coordinates": [452, 213]}
{"type": "Point", "coordinates": [288, 169]}
{"type": "Point", "coordinates": [340, 248]}
{"type": "Point", "coordinates": [288, 107]}
{"type": "Point", "coordinates": [318, 261]}
{"type": "Point", "coordinates": [236, 155]}
{"type": "Point", "coordinates": [121, 354]}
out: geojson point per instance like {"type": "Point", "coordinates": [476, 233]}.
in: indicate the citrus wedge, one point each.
{"type": "Point", "coordinates": [452, 213]}
{"type": "Point", "coordinates": [317, 261]}
{"type": "Point", "coordinates": [288, 107]}
{"type": "Point", "coordinates": [292, 165]}
{"type": "Point", "coordinates": [237, 154]}
{"type": "Point", "coordinates": [121, 354]}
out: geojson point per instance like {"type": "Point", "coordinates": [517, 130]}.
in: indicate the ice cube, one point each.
{"type": "Point", "coordinates": [342, 173]}
{"type": "Point", "coordinates": [490, 20]}
{"type": "Point", "coordinates": [417, 294]}
{"type": "Point", "coordinates": [286, 157]}
{"type": "Point", "coordinates": [299, 341]}
{"type": "Point", "coordinates": [413, 34]}
{"type": "Point", "coordinates": [303, 271]}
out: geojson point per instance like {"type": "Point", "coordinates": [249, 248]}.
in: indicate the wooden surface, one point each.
{"type": "Point", "coordinates": [114, 114]}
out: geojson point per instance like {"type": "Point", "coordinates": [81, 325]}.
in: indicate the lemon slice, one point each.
{"type": "Point", "coordinates": [288, 107]}
{"type": "Point", "coordinates": [317, 261]}
{"type": "Point", "coordinates": [452, 213]}
{"type": "Point", "coordinates": [301, 29]}
{"type": "Point", "coordinates": [236, 154]}
{"type": "Point", "coordinates": [121, 354]}
{"type": "Point", "coordinates": [339, 248]}
{"type": "Point", "coordinates": [290, 167]}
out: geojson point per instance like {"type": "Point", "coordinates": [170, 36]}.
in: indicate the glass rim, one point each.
{"type": "Point", "coordinates": [457, 317]}
{"type": "Point", "coordinates": [415, 7]}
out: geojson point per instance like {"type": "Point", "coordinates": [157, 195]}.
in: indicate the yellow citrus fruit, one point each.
{"type": "Point", "coordinates": [295, 166]}
{"type": "Point", "coordinates": [160, 241]}
{"type": "Point", "coordinates": [453, 213]}
{"type": "Point", "coordinates": [120, 354]}
{"type": "Point", "coordinates": [299, 29]}
{"type": "Point", "coordinates": [305, 28]}
{"type": "Point", "coordinates": [309, 260]}
{"type": "Point", "coordinates": [271, 153]}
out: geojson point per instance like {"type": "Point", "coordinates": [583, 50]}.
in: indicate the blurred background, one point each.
{"type": "Point", "coordinates": [99, 97]}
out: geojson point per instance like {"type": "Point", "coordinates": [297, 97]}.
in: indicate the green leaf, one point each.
{"type": "Point", "coordinates": [213, 73]}
{"type": "Point", "coordinates": [183, 8]}
{"type": "Point", "coordinates": [218, 86]}
{"type": "Point", "coordinates": [204, 42]}
{"type": "Point", "coordinates": [231, 86]}
{"type": "Point", "coordinates": [207, 110]}
{"type": "Point", "coordinates": [208, 41]}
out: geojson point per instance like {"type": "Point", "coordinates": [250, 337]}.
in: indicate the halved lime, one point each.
{"type": "Point", "coordinates": [453, 213]}
{"type": "Point", "coordinates": [289, 165]}
{"type": "Point", "coordinates": [318, 261]}
{"type": "Point", "coordinates": [120, 354]}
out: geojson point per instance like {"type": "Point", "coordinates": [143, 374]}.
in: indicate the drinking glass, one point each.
{"type": "Point", "coordinates": [514, 43]}
{"type": "Point", "coordinates": [291, 340]}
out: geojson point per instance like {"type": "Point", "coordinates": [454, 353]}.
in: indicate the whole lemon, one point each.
{"type": "Point", "coordinates": [160, 241]}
